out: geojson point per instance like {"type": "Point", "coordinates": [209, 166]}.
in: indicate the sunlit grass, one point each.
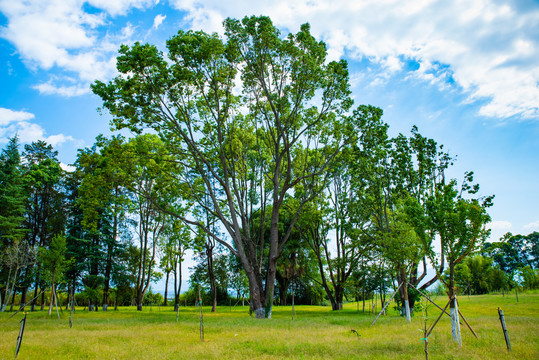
{"type": "Point", "coordinates": [315, 333]}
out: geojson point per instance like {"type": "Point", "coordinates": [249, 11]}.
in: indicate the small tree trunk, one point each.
{"type": "Point", "coordinates": [455, 325]}
{"type": "Point", "coordinates": [117, 297]}
{"type": "Point", "coordinates": [166, 288]}
{"type": "Point", "coordinates": [453, 310]}
{"type": "Point", "coordinates": [363, 299]}
{"type": "Point", "coordinates": [13, 300]}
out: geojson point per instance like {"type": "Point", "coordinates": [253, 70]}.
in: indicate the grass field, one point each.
{"type": "Point", "coordinates": [315, 333]}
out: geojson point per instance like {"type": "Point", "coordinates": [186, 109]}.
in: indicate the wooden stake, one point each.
{"type": "Point", "coordinates": [387, 303]}
{"type": "Point", "coordinates": [439, 317]}
{"type": "Point", "coordinates": [468, 325]}
{"type": "Point", "coordinates": [28, 302]}
{"type": "Point", "coordinates": [504, 328]}
{"type": "Point", "coordinates": [463, 319]}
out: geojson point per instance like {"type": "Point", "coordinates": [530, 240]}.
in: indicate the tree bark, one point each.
{"type": "Point", "coordinates": [24, 293]}
{"type": "Point", "coordinates": [211, 274]}
{"type": "Point", "coordinates": [404, 293]}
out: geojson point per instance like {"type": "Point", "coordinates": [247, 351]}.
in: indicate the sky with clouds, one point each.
{"type": "Point", "coordinates": [466, 72]}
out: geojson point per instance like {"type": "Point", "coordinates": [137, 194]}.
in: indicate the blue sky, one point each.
{"type": "Point", "coordinates": [465, 72]}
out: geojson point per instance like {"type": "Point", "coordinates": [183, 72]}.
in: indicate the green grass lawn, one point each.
{"type": "Point", "coordinates": [315, 333]}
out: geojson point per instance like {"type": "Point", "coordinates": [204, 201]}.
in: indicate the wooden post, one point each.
{"type": "Point", "coordinates": [504, 328]}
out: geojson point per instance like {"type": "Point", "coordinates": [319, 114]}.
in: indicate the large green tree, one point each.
{"type": "Point", "coordinates": [45, 204]}
{"type": "Point", "coordinates": [12, 208]}
{"type": "Point", "coordinates": [236, 112]}
{"type": "Point", "coordinates": [103, 199]}
{"type": "Point", "coordinates": [458, 218]}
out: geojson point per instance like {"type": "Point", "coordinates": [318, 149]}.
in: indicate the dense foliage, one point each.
{"type": "Point", "coordinates": [257, 162]}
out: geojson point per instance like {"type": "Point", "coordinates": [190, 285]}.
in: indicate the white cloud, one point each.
{"type": "Point", "coordinates": [60, 35]}
{"type": "Point", "coordinates": [17, 123]}
{"type": "Point", "coordinates": [498, 229]}
{"type": "Point", "coordinates": [488, 49]}
{"type": "Point", "coordinates": [534, 226]}
{"type": "Point", "coordinates": [66, 91]}
{"type": "Point", "coordinates": [67, 167]}
{"type": "Point", "coordinates": [121, 7]}
{"type": "Point", "coordinates": [7, 116]}
{"type": "Point", "coordinates": [500, 225]}
{"type": "Point", "coordinates": [158, 20]}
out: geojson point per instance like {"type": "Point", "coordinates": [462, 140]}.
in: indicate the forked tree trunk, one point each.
{"type": "Point", "coordinates": [52, 294]}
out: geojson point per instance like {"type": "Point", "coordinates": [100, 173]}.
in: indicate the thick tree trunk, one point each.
{"type": "Point", "coordinates": [2, 297]}
{"type": "Point", "coordinates": [283, 283]}
{"type": "Point", "coordinates": [282, 296]}
{"type": "Point", "coordinates": [110, 250]}
{"type": "Point", "coordinates": [211, 275]}
{"type": "Point", "coordinates": [24, 293]}
{"type": "Point", "coordinates": [106, 288]}
{"type": "Point", "coordinates": [337, 302]}
{"type": "Point", "coordinates": [404, 294]}
{"type": "Point", "coordinates": [13, 300]}
{"type": "Point", "coordinates": [176, 293]}
{"type": "Point", "coordinates": [258, 304]}
{"type": "Point", "coordinates": [35, 296]}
